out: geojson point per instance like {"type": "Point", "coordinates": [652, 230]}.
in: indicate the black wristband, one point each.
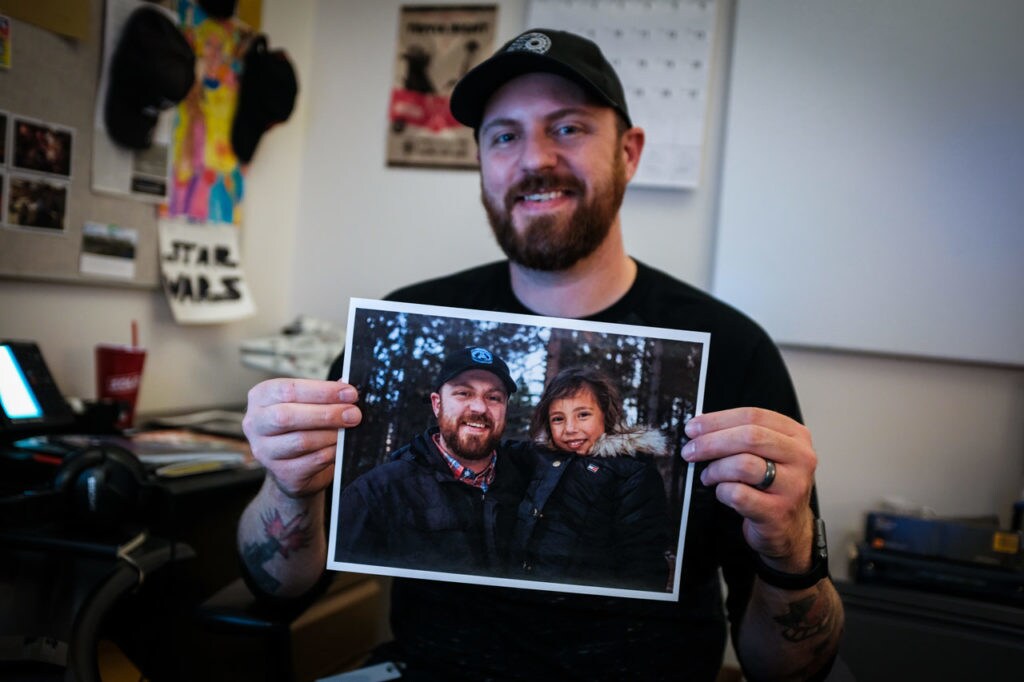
{"type": "Point", "coordinates": [799, 581]}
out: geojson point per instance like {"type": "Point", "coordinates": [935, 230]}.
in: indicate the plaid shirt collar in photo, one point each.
{"type": "Point", "coordinates": [481, 480]}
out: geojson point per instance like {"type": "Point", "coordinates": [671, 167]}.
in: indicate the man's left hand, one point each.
{"type": "Point", "coordinates": [738, 445]}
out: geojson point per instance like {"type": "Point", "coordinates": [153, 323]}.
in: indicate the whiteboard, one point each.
{"type": "Point", "coordinates": [872, 192]}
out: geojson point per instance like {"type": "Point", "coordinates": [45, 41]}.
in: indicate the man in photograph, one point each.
{"type": "Point", "coordinates": [557, 148]}
{"type": "Point", "coordinates": [447, 501]}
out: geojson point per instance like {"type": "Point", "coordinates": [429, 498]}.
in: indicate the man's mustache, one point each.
{"type": "Point", "coordinates": [535, 182]}
{"type": "Point", "coordinates": [481, 419]}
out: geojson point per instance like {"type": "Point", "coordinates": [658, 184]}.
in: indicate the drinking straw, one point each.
{"type": "Point", "coordinates": [135, 334]}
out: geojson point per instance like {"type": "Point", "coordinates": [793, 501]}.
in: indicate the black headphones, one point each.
{"type": "Point", "coordinates": [104, 484]}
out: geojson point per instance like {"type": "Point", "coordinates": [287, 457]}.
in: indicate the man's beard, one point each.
{"type": "Point", "coordinates": [468, 446]}
{"type": "Point", "coordinates": [545, 244]}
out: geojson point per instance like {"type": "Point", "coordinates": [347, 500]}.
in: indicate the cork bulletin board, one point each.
{"type": "Point", "coordinates": [51, 84]}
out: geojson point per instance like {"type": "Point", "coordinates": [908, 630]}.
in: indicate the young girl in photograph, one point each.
{"type": "Point", "coordinates": [595, 512]}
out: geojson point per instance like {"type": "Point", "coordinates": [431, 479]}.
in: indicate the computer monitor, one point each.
{"type": "Point", "coordinates": [30, 402]}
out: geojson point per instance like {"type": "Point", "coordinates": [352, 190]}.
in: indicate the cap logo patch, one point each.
{"type": "Point", "coordinates": [482, 356]}
{"type": "Point", "coordinates": [530, 42]}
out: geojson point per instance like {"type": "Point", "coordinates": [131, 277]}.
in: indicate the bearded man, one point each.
{"type": "Point", "coordinates": [440, 504]}
{"type": "Point", "coordinates": [557, 147]}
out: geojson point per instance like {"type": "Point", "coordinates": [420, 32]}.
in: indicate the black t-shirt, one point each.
{"type": "Point", "coordinates": [452, 631]}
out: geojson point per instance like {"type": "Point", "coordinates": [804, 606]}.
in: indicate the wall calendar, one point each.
{"type": "Point", "coordinates": [661, 50]}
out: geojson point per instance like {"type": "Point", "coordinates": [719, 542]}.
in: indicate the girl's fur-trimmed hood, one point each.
{"type": "Point", "coordinates": [625, 444]}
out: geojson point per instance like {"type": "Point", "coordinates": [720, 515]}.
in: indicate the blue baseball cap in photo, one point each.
{"type": "Point", "coordinates": [474, 357]}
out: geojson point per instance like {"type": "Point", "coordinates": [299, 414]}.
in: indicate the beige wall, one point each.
{"type": "Point", "coordinates": [326, 220]}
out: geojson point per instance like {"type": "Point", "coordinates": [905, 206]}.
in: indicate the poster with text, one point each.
{"type": "Point", "coordinates": [201, 273]}
{"type": "Point", "coordinates": [515, 450]}
{"type": "Point", "coordinates": [436, 46]}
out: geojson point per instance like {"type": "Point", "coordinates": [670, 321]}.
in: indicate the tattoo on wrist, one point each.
{"type": "Point", "coordinates": [281, 538]}
{"type": "Point", "coordinates": [803, 621]}
{"type": "Point", "coordinates": [289, 537]}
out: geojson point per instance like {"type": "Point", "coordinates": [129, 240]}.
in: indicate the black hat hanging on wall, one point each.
{"type": "Point", "coordinates": [152, 69]}
{"type": "Point", "coordinates": [266, 97]}
{"type": "Point", "coordinates": [219, 9]}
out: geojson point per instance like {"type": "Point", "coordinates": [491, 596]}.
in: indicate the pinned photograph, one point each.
{"type": "Point", "coordinates": [3, 137]}
{"type": "Point", "coordinates": [108, 250]}
{"type": "Point", "coordinates": [516, 450]}
{"type": "Point", "coordinates": [42, 147]}
{"type": "Point", "coordinates": [33, 202]}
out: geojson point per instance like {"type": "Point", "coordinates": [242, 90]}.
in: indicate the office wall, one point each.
{"type": "Point", "coordinates": [892, 117]}
{"type": "Point", "coordinates": [950, 436]}
{"type": "Point", "coordinates": [196, 365]}
{"type": "Point", "coordinates": [366, 229]}
{"type": "Point", "coordinates": [326, 220]}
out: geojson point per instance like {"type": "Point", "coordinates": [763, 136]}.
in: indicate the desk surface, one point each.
{"type": "Point", "coordinates": [201, 509]}
{"type": "Point", "coordinates": [922, 604]}
{"type": "Point", "coordinates": [900, 634]}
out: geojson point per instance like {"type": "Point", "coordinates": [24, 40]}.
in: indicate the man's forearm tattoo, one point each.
{"type": "Point", "coordinates": [803, 620]}
{"type": "Point", "coordinates": [281, 538]}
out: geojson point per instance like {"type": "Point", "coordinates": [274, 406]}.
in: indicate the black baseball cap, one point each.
{"type": "Point", "coordinates": [538, 50]}
{"type": "Point", "coordinates": [219, 9]}
{"type": "Point", "coordinates": [474, 357]}
{"type": "Point", "coordinates": [152, 69]}
{"type": "Point", "coordinates": [266, 97]}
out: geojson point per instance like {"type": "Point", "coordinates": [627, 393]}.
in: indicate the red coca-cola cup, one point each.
{"type": "Point", "coordinates": [118, 375]}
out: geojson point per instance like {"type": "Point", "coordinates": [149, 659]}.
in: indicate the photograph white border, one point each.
{"type": "Point", "coordinates": [12, 151]}
{"type": "Point", "coordinates": [38, 179]}
{"type": "Point", "coordinates": [357, 304]}
{"type": "Point", "coordinates": [5, 133]}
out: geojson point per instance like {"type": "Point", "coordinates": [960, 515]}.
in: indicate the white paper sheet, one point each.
{"type": "Point", "coordinates": [201, 273]}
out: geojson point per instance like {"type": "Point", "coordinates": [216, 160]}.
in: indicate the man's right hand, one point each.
{"type": "Point", "coordinates": [292, 426]}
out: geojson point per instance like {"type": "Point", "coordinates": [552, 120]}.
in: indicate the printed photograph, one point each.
{"type": "Point", "coordinates": [3, 137]}
{"type": "Point", "coordinates": [42, 147]}
{"type": "Point", "coordinates": [108, 250]}
{"type": "Point", "coordinates": [516, 450]}
{"type": "Point", "coordinates": [37, 203]}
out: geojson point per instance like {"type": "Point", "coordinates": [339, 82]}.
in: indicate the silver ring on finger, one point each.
{"type": "Point", "coordinates": [769, 475]}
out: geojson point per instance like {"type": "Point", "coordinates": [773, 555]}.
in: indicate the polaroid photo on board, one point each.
{"type": "Point", "coordinates": [37, 202]}
{"type": "Point", "coordinates": [42, 147]}
{"type": "Point", "coordinates": [108, 250]}
{"type": "Point", "coordinates": [597, 411]}
{"type": "Point", "coordinates": [4, 144]}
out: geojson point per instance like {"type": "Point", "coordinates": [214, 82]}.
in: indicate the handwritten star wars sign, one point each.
{"type": "Point", "coordinates": [201, 273]}
{"type": "Point", "coordinates": [436, 47]}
